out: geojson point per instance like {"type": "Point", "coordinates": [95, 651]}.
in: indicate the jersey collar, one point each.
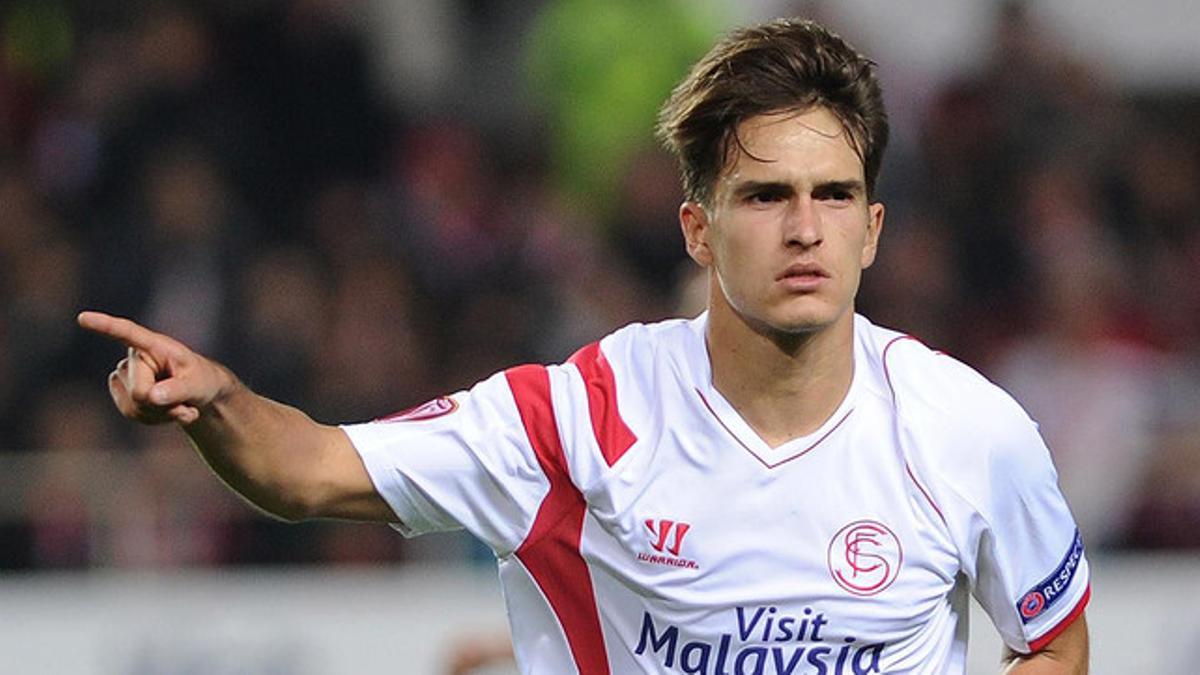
{"type": "Point", "coordinates": [699, 370]}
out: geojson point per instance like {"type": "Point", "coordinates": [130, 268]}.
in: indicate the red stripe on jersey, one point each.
{"type": "Point", "coordinates": [924, 492]}
{"type": "Point", "coordinates": [888, 375]}
{"type": "Point", "coordinates": [1040, 643]}
{"type": "Point", "coordinates": [551, 550]}
{"type": "Point", "coordinates": [612, 435]}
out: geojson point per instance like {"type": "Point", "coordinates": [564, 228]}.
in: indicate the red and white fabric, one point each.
{"type": "Point", "coordinates": [642, 526]}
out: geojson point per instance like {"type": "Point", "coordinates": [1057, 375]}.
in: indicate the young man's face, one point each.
{"type": "Point", "coordinates": [789, 230]}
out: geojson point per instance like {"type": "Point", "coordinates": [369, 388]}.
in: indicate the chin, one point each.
{"type": "Point", "coordinates": [786, 326]}
{"type": "Point", "coordinates": [795, 316]}
{"type": "Point", "coordinates": [798, 327]}
{"type": "Point", "coordinates": [804, 321]}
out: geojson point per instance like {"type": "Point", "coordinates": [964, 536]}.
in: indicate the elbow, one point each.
{"type": "Point", "coordinates": [300, 505]}
{"type": "Point", "coordinates": [287, 505]}
{"type": "Point", "coordinates": [301, 501]}
{"type": "Point", "coordinates": [296, 495]}
{"type": "Point", "coordinates": [287, 511]}
{"type": "Point", "coordinates": [290, 513]}
{"type": "Point", "coordinates": [274, 500]}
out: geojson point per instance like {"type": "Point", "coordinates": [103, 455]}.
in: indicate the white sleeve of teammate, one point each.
{"type": "Point", "coordinates": [464, 463]}
{"type": "Point", "coordinates": [1021, 547]}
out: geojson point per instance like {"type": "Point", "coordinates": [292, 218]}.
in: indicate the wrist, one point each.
{"type": "Point", "coordinates": [227, 394]}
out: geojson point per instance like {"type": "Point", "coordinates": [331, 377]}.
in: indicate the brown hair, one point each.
{"type": "Point", "coordinates": [785, 65]}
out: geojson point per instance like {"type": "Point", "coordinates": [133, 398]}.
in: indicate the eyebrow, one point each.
{"type": "Point", "coordinates": [750, 187]}
{"type": "Point", "coordinates": [855, 186]}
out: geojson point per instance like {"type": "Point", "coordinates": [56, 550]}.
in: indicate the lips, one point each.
{"type": "Point", "coordinates": [803, 271]}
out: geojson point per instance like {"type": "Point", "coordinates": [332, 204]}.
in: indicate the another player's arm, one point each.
{"type": "Point", "coordinates": [274, 455]}
{"type": "Point", "coordinates": [1066, 654]}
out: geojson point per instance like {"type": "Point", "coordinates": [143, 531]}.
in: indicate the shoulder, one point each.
{"type": "Point", "coordinates": [633, 357]}
{"type": "Point", "coordinates": [924, 384]}
{"type": "Point", "coordinates": [638, 343]}
{"type": "Point", "coordinates": [606, 391]}
{"type": "Point", "coordinates": [951, 416]}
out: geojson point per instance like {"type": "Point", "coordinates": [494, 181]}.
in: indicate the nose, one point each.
{"type": "Point", "coordinates": [802, 224]}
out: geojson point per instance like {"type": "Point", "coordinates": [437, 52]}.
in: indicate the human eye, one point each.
{"type": "Point", "coordinates": [836, 194]}
{"type": "Point", "coordinates": [765, 197]}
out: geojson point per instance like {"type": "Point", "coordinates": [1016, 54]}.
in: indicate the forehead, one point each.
{"type": "Point", "coordinates": [790, 145]}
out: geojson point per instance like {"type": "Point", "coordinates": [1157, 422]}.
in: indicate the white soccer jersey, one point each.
{"type": "Point", "coordinates": [643, 527]}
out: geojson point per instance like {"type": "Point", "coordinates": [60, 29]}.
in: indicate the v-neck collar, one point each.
{"type": "Point", "coordinates": [700, 370]}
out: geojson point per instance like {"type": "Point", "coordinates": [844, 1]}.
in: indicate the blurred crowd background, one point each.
{"type": "Point", "coordinates": [361, 205]}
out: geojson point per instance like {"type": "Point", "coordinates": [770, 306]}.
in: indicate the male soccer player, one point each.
{"type": "Point", "coordinates": [775, 486]}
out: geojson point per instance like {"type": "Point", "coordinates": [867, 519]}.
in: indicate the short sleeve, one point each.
{"type": "Point", "coordinates": [1023, 551]}
{"type": "Point", "coordinates": [461, 461]}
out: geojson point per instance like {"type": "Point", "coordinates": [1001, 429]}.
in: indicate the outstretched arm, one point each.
{"type": "Point", "coordinates": [1066, 654]}
{"type": "Point", "coordinates": [274, 455]}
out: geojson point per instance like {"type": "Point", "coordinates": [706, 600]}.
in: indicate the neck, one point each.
{"type": "Point", "coordinates": [785, 385]}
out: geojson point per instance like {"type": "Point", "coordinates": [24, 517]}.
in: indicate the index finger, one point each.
{"type": "Point", "coordinates": [128, 332]}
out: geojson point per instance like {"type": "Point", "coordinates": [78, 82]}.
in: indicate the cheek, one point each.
{"type": "Point", "coordinates": [747, 236]}
{"type": "Point", "coordinates": [732, 257]}
{"type": "Point", "coordinates": [736, 260]}
{"type": "Point", "coordinates": [853, 231]}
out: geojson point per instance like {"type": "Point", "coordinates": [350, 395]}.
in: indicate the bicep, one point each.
{"type": "Point", "coordinates": [473, 465]}
{"type": "Point", "coordinates": [343, 487]}
{"type": "Point", "coordinates": [1026, 557]}
{"type": "Point", "coordinates": [1066, 654]}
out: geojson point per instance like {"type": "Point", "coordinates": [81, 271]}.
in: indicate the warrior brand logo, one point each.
{"type": "Point", "coordinates": [760, 640]}
{"type": "Point", "coordinates": [865, 557]}
{"type": "Point", "coordinates": [659, 534]}
{"type": "Point", "coordinates": [442, 405]}
{"type": "Point", "coordinates": [1041, 597]}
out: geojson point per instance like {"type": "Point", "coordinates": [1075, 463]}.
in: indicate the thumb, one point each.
{"type": "Point", "coordinates": [184, 414]}
{"type": "Point", "coordinates": [169, 392]}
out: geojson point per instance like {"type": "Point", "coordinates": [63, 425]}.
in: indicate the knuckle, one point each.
{"type": "Point", "coordinates": [127, 408]}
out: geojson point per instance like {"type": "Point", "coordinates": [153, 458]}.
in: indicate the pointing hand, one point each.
{"type": "Point", "coordinates": [160, 379]}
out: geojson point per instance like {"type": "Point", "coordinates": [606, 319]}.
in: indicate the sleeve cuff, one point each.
{"type": "Point", "coordinates": [1039, 643]}
{"type": "Point", "coordinates": [388, 482]}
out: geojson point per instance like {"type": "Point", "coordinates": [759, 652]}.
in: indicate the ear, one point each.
{"type": "Point", "coordinates": [874, 228]}
{"type": "Point", "coordinates": [693, 219]}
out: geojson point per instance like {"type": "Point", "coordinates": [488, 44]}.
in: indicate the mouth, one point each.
{"type": "Point", "coordinates": [802, 277]}
{"type": "Point", "coordinates": [803, 271]}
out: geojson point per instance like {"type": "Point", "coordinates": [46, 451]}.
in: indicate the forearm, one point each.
{"type": "Point", "coordinates": [267, 452]}
{"type": "Point", "coordinates": [272, 454]}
